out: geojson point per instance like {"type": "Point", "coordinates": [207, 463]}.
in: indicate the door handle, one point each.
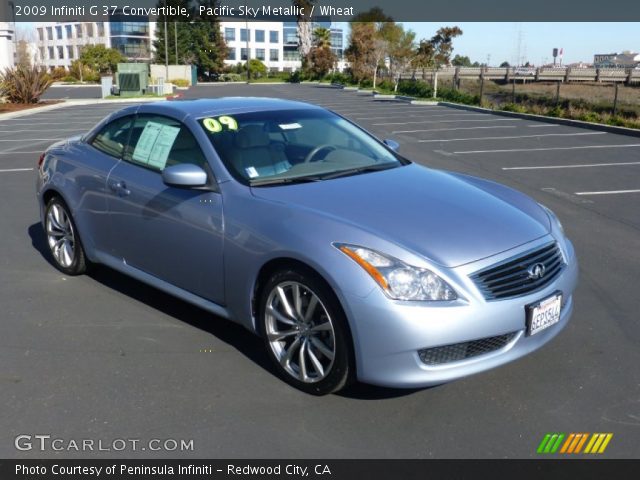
{"type": "Point", "coordinates": [120, 188]}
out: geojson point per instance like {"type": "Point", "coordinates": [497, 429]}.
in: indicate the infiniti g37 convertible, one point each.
{"type": "Point", "coordinates": [350, 261]}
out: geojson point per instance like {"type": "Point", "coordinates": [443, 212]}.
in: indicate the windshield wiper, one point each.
{"type": "Point", "coordinates": [358, 170]}
{"type": "Point", "coordinates": [286, 180]}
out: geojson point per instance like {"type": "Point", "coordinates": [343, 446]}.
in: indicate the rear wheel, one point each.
{"type": "Point", "coordinates": [305, 332]}
{"type": "Point", "coordinates": [62, 238]}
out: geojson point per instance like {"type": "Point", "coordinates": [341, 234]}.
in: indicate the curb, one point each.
{"type": "Point", "coordinates": [74, 103]}
{"type": "Point", "coordinates": [632, 132]}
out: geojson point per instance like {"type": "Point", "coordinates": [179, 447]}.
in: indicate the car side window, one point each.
{"type": "Point", "coordinates": [113, 137]}
{"type": "Point", "coordinates": [157, 142]}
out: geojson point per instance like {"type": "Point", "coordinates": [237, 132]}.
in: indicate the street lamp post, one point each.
{"type": "Point", "coordinates": [246, 31]}
{"type": "Point", "coordinates": [166, 44]}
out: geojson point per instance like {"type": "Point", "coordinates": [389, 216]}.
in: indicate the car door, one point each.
{"type": "Point", "coordinates": [175, 234]}
{"type": "Point", "coordinates": [96, 158]}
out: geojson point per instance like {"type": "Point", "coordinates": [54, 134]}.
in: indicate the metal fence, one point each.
{"type": "Point", "coordinates": [559, 74]}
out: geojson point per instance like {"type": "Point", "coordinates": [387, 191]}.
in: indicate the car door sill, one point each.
{"type": "Point", "coordinates": [120, 266]}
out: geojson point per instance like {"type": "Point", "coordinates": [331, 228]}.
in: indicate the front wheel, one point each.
{"type": "Point", "coordinates": [305, 332]}
{"type": "Point", "coordinates": [62, 238]}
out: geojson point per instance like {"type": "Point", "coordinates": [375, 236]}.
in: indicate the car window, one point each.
{"type": "Point", "coordinates": [283, 146]}
{"type": "Point", "coordinates": [113, 137]}
{"type": "Point", "coordinates": [157, 142]}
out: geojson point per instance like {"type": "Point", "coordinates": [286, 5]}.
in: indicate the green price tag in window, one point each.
{"type": "Point", "coordinates": [215, 125]}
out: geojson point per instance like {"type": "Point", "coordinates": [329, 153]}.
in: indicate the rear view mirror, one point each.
{"type": "Point", "coordinates": [392, 144]}
{"type": "Point", "coordinates": [184, 175]}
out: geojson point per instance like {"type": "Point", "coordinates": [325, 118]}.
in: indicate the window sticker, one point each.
{"type": "Point", "coordinates": [290, 126]}
{"type": "Point", "coordinates": [154, 144]}
{"type": "Point", "coordinates": [251, 171]}
{"type": "Point", "coordinates": [214, 125]}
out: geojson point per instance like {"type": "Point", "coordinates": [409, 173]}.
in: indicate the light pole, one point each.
{"type": "Point", "coordinates": [246, 31]}
{"type": "Point", "coordinates": [15, 40]}
{"type": "Point", "coordinates": [166, 45]}
{"type": "Point", "coordinates": [175, 38]}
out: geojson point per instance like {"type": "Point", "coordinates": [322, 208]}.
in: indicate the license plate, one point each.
{"type": "Point", "coordinates": [543, 314]}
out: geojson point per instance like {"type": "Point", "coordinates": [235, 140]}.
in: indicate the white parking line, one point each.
{"type": "Point", "coordinates": [454, 121]}
{"type": "Point", "coordinates": [422, 114]}
{"type": "Point", "coordinates": [11, 152]}
{"type": "Point", "coordinates": [30, 139]}
{"type": "Point", "coordinates": [610, 192]}
{"type": "Point", "coordinates": [630, 145]}
{"type": "Point", "coordinates": [543, 125]}
{"type": "Point", "coordinates": [587, 165]}
{"type": "Point", "coordinates": [6, 170]}
{"type": "Point", "coordinates": [517, 136]}
{"type": "Point", "coordinates": [48, 130]}
{"type": "Point", "coordinates": [450, 129]}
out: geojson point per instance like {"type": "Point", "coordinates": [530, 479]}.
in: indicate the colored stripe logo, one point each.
{"type": "Point", "coordinates": [574, 443]}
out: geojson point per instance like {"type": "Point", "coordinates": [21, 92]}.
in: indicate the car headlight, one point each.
{"type": "Point", "coordinates": [554, 219]}
{"type": "Point", "coordinates": [397, 279]}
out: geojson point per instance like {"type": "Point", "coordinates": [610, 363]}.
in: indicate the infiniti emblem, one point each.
{"type": "Point", "coordinates": [536, 271]}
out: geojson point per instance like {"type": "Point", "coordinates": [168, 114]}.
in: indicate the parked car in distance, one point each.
{"type": "Point", "coordinates": [350, 261]}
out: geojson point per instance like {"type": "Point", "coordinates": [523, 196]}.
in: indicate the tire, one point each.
{"type": "Point", "coordinates": [309, 344]}
{"type": "Point", "coordinates": [63, 239]}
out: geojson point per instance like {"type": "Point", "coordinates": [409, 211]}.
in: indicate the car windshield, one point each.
{"type": "Point", "coordinates": [291, 146]}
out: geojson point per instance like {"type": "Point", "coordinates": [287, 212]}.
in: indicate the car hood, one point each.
{"type": "Point", "coordinates": [448, 218]}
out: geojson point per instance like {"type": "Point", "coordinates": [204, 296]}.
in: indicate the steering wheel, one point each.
{"type": "Point", "coordinates": [316, 150]}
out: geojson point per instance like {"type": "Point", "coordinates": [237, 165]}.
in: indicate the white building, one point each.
{"type": "Point", "coordinates": [59, 44]}
{"type": "Point", "coordinates": [273, 43]}
{"type": "Point", "coordinates": [6, 45]}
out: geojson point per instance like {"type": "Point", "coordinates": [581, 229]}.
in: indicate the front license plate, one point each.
{"type": "Point", "coordinates": [543, 314]}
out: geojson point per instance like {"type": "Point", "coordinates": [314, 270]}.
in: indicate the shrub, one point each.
{"type": "Point", "coordinates": [415, 88]}
{"type": "Point", "coordinates": [58, 73]}
{"type": "Point", "coordinates": [69, 79]}
{"type": "Point", "coordinates": [180, 82]}
{"type": "Point", "coordinates": [231, 77]}
{"type": "Point", "coordinates": [366, 83]}
{"type": "Point", "coordinates": [296, 77]}
{"type": "Point", "coordinates": [24, 84]}
{"type": "Point", "coordinates": [385, 85]}
{"type": "Point", "coordinates": [458, 97]}
{"type": "Point", "coordinates": [339, 77]}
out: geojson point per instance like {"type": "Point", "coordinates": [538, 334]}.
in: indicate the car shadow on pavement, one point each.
{"type": "Point", "coordinates": [227, 331]}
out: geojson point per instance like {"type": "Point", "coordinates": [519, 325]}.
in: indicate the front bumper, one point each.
{"type": "Point", "coordinates": [388, 334]}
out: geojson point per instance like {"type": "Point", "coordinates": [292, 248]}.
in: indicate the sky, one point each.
{"type": "Point", "coordinates": [579, 41]}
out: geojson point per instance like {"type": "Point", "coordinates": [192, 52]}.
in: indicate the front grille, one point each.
{"type": "Point", "coordinates": [465, 350]}
{"type": "Point", "coordinates": [511, 277]}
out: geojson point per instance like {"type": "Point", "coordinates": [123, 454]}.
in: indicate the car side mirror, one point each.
{"type": "Point", "coordinates": [184, 175]}
{"type": "Point", "coordinates": [392, 144]}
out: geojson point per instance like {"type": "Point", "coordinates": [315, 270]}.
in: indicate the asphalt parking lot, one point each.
{"type": "Point", "coordinates": [106, 357]}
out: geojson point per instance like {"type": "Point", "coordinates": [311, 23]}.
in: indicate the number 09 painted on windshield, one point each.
{"type": "Point", "coordinates": [215, 125]}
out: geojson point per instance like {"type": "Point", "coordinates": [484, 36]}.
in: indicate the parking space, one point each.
{"type": "Point", "coordinates": [105, 356]}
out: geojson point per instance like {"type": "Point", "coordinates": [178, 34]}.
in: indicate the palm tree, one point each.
{"type": "Point", "coordinates": [322, 37]}
{"type": "Point", "coordinates": [305, 34]}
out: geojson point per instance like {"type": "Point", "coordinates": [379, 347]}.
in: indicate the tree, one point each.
{"type": "Point", "coordinates": [256, 68]}
{"type": "Point", "coordinates": [359, 52]}
{"type": "Point", "coordinates": [371, 33]}
{"type": "Point", "coordinates": [401, 53]}
{"type": "Point", "coordinates": [321, 58]}
{"type": "Point", "coordinates": [442, 43]}
{"type": "Point", "coordinates": [100, 58]}
{"type": "Point", "coordinates": [207, 43]}
{"type": "Point", "coordinates": [176, 27]}
{"type": "Point", "coordinates": [460, 61]}
{"type": "Point", "coordinates": [505, 65]}
{"type": "Point", "coordinates": [305, 32]}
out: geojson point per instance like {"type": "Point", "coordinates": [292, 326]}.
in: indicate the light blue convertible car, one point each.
{"type": "Point", "coordinates": [350, 261]}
